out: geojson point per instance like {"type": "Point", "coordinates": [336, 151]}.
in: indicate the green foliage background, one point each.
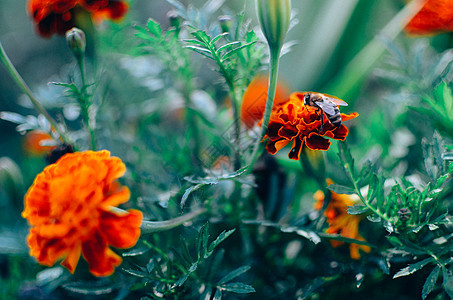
{"type": "Point", "coordinates": [261, 236]}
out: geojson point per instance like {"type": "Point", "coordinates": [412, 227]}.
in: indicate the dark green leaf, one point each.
{"type": "Point", "coordinates": [183, 279]}
{"type": "Point", "coordinates": [372, 188]}
{"type": "Point", "coordinates": [237, 287]}
{"type": "Point", "coordinates": [224, 235]}
{"type": "Point", "coordinates": [202, 241]}
{"type": "Point", "coordinates": [188, 192]}
{"type": "Point", "coordinates": [218, 294]}
{"type": "Point", "coordinates": [430, 282]}
{"type": "Point", "coordinates": [358, 209]}
{"type": "Point", "coordinates": [347, 160]}
{"type": "Point", "coordinates": [412, 268]}
{"type": "Point", "coordinates": [136, 273]}
{"type": "Point", "coordinates": [447, 282]}
{"type": "Point", "coordinates": [214, 40]}
{"type": "Point", "coordinates": [199, 50]}
{"type": "Point", "coordinates": [233, 274]}
{"type": "Point", "coordinates": [136, 251]}
{"type": "Point", "coordinates": [341, 189]}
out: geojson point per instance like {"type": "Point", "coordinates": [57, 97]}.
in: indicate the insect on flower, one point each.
{"type": "Point", "coordinates": [327, 104]}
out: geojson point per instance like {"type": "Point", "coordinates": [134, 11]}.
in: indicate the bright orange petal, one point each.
{"type": "Point", "coordinates": [121, 231]}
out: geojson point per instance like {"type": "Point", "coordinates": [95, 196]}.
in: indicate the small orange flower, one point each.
{"type": "Point", "coordinates": [340, 222]}
{"type": "Point", "coordinates": [58, 16]}
{"type": "Point", "coordinates": [295, 122]}
{"type": "Point", "coordinates": [70, 207]}
{"type": "Point", "coordinates": [32, 143]}
{"type": "Point", "coordinates": [434, 17]}
{"type": "Point", "coordinates": [254, 100]}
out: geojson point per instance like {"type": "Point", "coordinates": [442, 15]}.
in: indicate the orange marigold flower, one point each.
{"type": "Point", "coordinates": [434, 17]}
{"type": "Point", "coordinates": [295, 122]}
{"type": "Point", "coordinates": [254, 100]}
{"type": "Point", "coordinates": [58, 16]}
{"type": "Point", "coordinates": [32, 143]}
{"type": "Point", "coordinates": [70, 207]}
{"type": "Point", "coordinates": [340, 222]}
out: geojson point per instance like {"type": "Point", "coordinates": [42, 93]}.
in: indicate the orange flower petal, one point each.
{"type": "Point", "coordinates": [121, 231]}
{"type": "Point", "coordinates": [69, 207]}
{"type": "Point", "coordinates": [101, 259]}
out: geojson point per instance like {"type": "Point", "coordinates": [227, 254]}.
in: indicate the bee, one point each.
{"type": "Point", "coordinates": [327, 104]}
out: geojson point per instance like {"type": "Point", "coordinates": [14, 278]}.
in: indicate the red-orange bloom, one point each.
{"type": "Point", "coordinates": [58, 16]}
{"type": "Point", "coordinates": [71, 208]}
{"type": "Point", "coordinates": [300, 124]}
{"type": "Point", "coordinates": [434, 17]}
{"type": "Point", "coordinates": [340, 222]}
{"type": "Point", "coordinates": [254, 100]}
{"type": "Point", "coordinates": [33, 142]}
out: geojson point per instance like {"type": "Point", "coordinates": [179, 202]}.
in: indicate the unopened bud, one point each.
{"type": "Point", "coordinates": [404, 214]}
{"type": "Point", "coordinates": [274, 16]}
{"type": "Point", "coordinates": [225, 23]}
{"type": "Point", "coordinates": [76, 41]}
{"type": "Point", "coordinates": [174, 18]}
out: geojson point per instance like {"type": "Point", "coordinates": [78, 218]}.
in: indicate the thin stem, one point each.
{"type": "Point", "coordinates": [24, 87]}
{"type": "Point", "coordinates": [85, 102]}
{"type": "Point", "coordinates": [273, 75]}
{"type": "Point", "coordinates": [148, 227]}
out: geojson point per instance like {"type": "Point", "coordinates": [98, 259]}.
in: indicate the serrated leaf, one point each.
{"type": "Point", "coordinates": [372, 188]}
{"type": "Point", "coordinates": [136, 273]}
{"type": "Point", "coordinates": [374, 218]}
{"type": "Point", "coordinates": [214, 40]}
{"type": "Point", "coordinates": [430, 282]}
{"type": "Point", "coordinates": [447, 282]}
{"type": "Point", "coordinates": [196, 42]}
{"type": "Point", "coordinates": [202, 241]}
{"type": "Point", "coordinates": [226, 46]}
{"type": "Point", "coordinates": [183, 279]}
{"type": "Point", "coordinates": [238, 288]}
{"type": "Point", "coordinates": [201, 36]}
{"type": "Point", "coordinates": [199, 50]}
{"type": "Point", "coordinates": [412, 268]}
{"type": "Point", "coordinates": [308, 234]}
{"type": "Point", "coordinates": [341, 189]}
{"type": "Point", "coordinates": [188, 192]}
{"type": "Point", "coordinates": [346, 158]}
{"type": "Point", "coordinates": [233, 274]}
{"type": "Point", "coordinates": [235, 50]}
{"type": "Point", "coordinates": [154, 28]}
{"type": "Point", "coordinates": [222, 236]}
{"type": "Point", "coordinates": [357, 209]}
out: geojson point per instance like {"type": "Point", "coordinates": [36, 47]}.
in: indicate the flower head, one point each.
{"type": "Point", "coordinates": [58, 16]}
{"type": "Point", "coordinates": [340, 222]}
{"type": "Point", "coordinates": [34, 140]}
{"type": "Point", "coordinates": [435, 16]}
{"type": "Point", "coordinates": [301, 124]}
{"type": "Point", "coordinates": [71, 208]}
{"type": "Point", "coordinates": [254, 100]}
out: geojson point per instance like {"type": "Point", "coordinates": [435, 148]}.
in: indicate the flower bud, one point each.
{"type": "Point", "coordinates": [76, 41]}
{"type": "Point", "coordinates": [174, 19]}
{"type": "Point", "coordinates": [274, 16]}
{"type": "Point", "coordinates": [225, 23]}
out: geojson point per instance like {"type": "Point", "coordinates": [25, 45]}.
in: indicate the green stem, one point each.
{"type": "Point", "coordinates": [148, 227]}
{"type": "Point", "coordinates": [273, 75]}
{"type": "Point", "coordinates": [85, 102]}
{"type": "Point", "coordinates": [24, 87]}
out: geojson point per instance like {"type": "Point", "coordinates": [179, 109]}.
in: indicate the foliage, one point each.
{"type": "Point", "coordinates": [166, 100]}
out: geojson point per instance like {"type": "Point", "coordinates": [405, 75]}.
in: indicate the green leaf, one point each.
{"type": "Point", "coordinates": [233, 274]}
{"type": "Point", "coordinates": [412, 268]}
{"type": "Point", "coordinates": [235, 50]}
{"type": "Point", "coordinates": [183, 279]}
{"type": "Point", "coordinates": [214, 40]}
{"type": "Point", "coordinates": [341, 189]}
{"type": "Point", "coordinates": [223, 236]}
{"type": "Point", "coordinates": [136, 252]}
{"type": "Point", "coordinates": [202, 241]}
{"type": "Point", "coordinates": [238, 288]}
{"type": "Point", "coordinates": [447, 282]}
{"type": "Point", "coordinates": [154, 28]}
{"type": "Point", "coordinates": [373, 188]}
{"type": "Point", "coordinates": [218, 294]}
{"type": "Point", "coordinates": [201, 36]}
{"type": "Point", "coordinates": [226, 46]}
{"type": "Point", "coordinates": [357, 209]}
{"type": "Point", "coordinates": [199, 50]}
{"type": "Point", "coordinates": [346, 158]}
{"type": "Point", "coordinates": [188, 192]}
{"type": "Point", "coordinates": [430, 282]}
